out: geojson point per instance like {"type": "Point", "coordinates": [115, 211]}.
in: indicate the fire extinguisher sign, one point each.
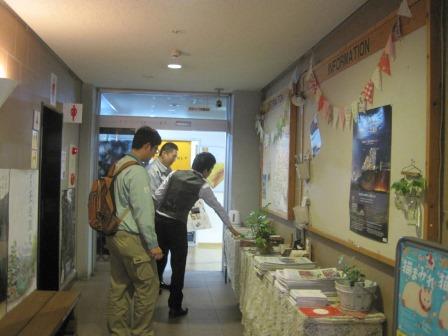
{"type": "Point", "coordinates": [72, 113]}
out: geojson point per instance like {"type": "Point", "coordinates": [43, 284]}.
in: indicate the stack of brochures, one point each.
{"type": "Point", "coordinates": [309, 297]}
{"type": "Point", "coordinates": [272, 263]}
{"type": "Point", "coordinates": [322, 279]}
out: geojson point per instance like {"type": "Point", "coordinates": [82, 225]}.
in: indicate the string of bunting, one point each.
{"type": "Point", "coordinates": [342, 117]}
{"type": "Point", "coordinates": [337, 116]}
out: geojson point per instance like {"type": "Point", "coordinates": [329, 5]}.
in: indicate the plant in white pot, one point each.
{"type": "Point", "coordinates": [354, 291]}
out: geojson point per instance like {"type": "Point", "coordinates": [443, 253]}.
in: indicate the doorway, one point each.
{"type": "Point", "coordinates": [49, 200]}
{"type": "Point", "coordinates": [194, 120]}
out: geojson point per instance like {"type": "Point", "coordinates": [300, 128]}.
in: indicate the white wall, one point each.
{"type": "Point", "coordinates": [245, 164]}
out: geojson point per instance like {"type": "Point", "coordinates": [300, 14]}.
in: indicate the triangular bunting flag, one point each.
{"type": "Point", "coordinates": [368, 92]}
{"type": "Point", "coordinates": [317, 96]}
{"type": "Point", "coordinates": [348, 117]}
{"type": "Point", "coordinates": [341, 118]}
{"type": "Point", "coordinates": [329, 113]}
{"type": "Point", "coordinates": [404, 9]}
{"type": "Point", "coordinates": [384, 64]}
{"type": "Point", "coordinates": [396, 29]}
{"type": "Point", "coordinates": [326, 110]}
{"type": "Point", "coordinates": [335, 117]}
{"type": "Point", "coordinates": [362, 105]}
{"type": "Point", "coordinates": [376, 79]}
{"type": "Point", "coordinates": [390, 47]}
{"type": "Point", "coordinates": [355, 111]}
{"type": "Point", "coordinates": [321, 103]}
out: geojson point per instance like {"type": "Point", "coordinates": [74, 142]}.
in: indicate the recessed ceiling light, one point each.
{"type": "Point", "coordinates": [175, 66]}
{"type": "Point", "coordinates": [174, 62]}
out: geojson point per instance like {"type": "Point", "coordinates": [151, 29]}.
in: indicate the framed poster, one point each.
{"type": "Point", "coordinates": [4, 223]}
{"type": "Point", "coordinates": [421, 288]}
{"type": "Point", "coordinates": [22, 235]}
{"type": "Point", "coordinates": [68, 226]}
{"type": "Point", "coordinates": [369, 187]}
{"type": "Point", "coordinates": [278, 150]}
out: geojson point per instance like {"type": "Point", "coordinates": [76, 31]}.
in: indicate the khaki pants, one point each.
{"type": "Point", "coordinates": [133, 275]}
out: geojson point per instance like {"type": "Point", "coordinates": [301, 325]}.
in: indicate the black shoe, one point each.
{"type": "Point", "coordinates": [177, 312]}
{"type": "Point", "coordinates": [164, 286]}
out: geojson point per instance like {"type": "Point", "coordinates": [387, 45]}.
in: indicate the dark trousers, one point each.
{"type": "Point", "coordinates": [172, 237]}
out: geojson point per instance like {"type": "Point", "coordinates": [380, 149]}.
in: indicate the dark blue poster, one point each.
{"type": "Point", "coordinates": [369, 189]}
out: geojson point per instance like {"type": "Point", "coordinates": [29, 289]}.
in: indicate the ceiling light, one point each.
{"type": "Point", "coordinates": [175, 66]}
{"type": "Point", "coordinates": [174, 63]}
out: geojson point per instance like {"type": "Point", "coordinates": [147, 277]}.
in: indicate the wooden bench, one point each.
{"type": "Point", "coordinates": [43, 313]}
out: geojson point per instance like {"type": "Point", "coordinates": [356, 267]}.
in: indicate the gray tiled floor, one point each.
{"type": "Point", "coordinates": [213, 307]}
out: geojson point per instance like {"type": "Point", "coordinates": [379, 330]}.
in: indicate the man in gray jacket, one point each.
{"type": "Point", "coordinates": [158, 171]}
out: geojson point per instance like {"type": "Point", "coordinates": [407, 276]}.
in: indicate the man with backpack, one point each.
{"type": "Point", "coordinates": [175, 198]}
{"type": "Point", "coordinates": [134, 248]}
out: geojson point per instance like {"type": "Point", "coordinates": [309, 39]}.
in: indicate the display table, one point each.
{"type": "Point", "coordinates": [269, 312]}
{"type": "Point", "coordinates": [232, 247]}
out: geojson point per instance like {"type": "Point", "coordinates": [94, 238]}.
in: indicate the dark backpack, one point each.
{"type": "Point", "coordinates": [102, 211]}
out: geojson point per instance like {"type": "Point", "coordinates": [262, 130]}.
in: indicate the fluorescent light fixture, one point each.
{"type": "Point", "coordinates": [175, 66]}
{"type": "Point", "coordinates": [7, 86]}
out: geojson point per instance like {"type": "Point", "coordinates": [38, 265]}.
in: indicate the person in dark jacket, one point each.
{"type": "Point", "coordinates": [175, 198]}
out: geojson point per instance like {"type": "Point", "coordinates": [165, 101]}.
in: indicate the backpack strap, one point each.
{"type": "Point", "coordinates": [113, 174]}
{"type": "Point", "coordinates": [123, 167]}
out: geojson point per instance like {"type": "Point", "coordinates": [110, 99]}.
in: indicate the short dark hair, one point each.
{"type": "Point", "coordinates": [146, 135]}
{"type": "Point", "coordinates": [203, 161]}
{"type": "Point", "coordinates": [168, 147]}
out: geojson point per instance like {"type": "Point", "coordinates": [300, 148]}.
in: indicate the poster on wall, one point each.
{"type": "Point", "coordinates": [369, 188]}
{"type": "Point", "coordinates": [421, 292]}
{"type": "Point", "coordinates": [67, 245]}
{"type": "Point", "coordinates": [22, 235]}
{"type": "Point", "coordinates": [4, 219]}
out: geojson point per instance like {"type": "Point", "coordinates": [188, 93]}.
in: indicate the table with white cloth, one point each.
{"type": "Point", "coordinates": [232, 247]}
{"type": "Point", "coordinates": [267, 311]}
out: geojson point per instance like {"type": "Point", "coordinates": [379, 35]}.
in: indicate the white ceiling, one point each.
{"type": "Point", "coordinates": [231, 44]}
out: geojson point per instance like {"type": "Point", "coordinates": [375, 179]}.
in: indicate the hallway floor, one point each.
{"type": "Point", "coordinates": [213, 307]}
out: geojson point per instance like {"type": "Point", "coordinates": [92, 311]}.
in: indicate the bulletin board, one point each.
{"type": "Point", "coordinates": [405, 90]}
{"type": "Point", "coordinates": [421, 289]}
{"type": "Point", "coordinates": [278, 149]}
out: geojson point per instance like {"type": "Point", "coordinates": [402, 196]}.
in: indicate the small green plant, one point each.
{"type": "Point", "coordinates": [350, 273]}
{"type": "Point", "coordinates": [261, 227]}
{"type": "Point", "coordinates": [410, 186]}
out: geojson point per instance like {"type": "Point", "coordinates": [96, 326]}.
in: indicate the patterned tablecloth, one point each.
{"type": "Point", "coordinates": [269, 312]}
{"type": "Point", "coordinates": [232, 255]}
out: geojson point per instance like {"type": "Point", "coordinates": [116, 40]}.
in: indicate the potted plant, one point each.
{"type": "Point", "coordinates": [409, 193]}
{"type": "Point", "coordinates": [261, 228]}
{"type": "Point", "coordinates": [354, 291]}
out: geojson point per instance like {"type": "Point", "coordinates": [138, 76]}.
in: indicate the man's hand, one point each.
{"type": "Point", "coordinates": [156, 253]}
